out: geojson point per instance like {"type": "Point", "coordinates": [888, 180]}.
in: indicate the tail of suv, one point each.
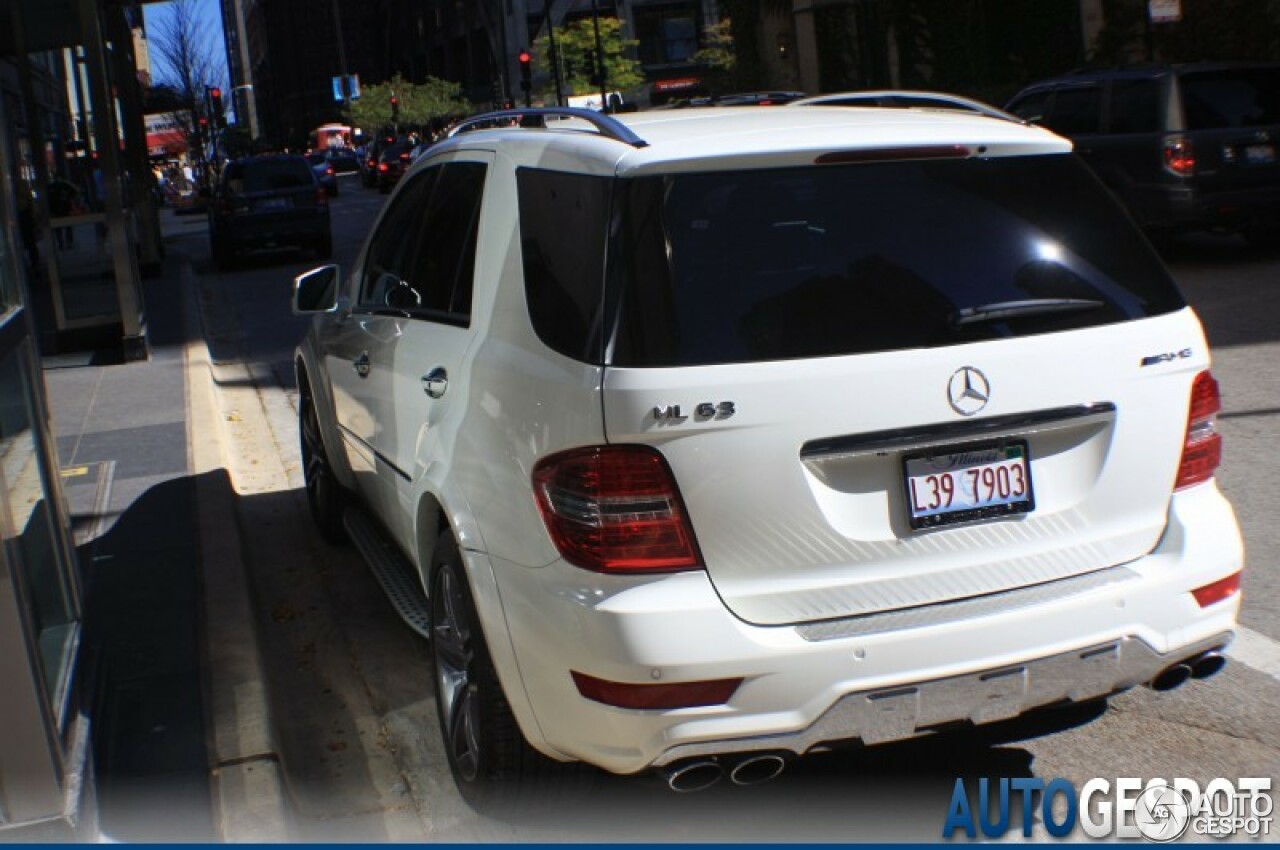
{"type": "Point", "coordinates": [1184, 146]}
{"type": "Point", "coordinates": [743, 432]}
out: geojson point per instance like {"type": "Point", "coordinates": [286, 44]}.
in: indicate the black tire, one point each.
{"type": "Point", "coordinates": [492, 764]}
{"type": "Point", "coordinates": [325, 495]}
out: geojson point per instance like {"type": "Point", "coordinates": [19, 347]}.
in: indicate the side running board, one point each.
{"type": "Point", "coordinates": [391, 568]}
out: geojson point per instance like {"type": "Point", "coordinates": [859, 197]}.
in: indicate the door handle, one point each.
{"type": "Point", "coordinates": [361, 364]}
{"type": "Point", "coordinates": [435, 382]}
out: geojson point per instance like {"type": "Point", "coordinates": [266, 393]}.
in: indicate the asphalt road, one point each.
{"type": "Point", "coordinates": [353, 699]}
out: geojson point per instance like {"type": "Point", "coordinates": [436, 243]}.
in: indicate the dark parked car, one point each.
{"type": "Point", "coordinates": [1183, 146]}
{"type": "Point", "coordinates": [268, 202]}
{"type": "Point", "coordinates": [325, 172]}
{"type": "Point", "coordinates": [343, 160]}
{"type": "Point", "coordinates": [393, 162]}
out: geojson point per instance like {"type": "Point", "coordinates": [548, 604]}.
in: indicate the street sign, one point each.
{"type": "Point", "coordinates": [353, 87]}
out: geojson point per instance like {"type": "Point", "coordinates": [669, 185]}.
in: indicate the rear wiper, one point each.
{"type": "Point", "coordinates": [1017, 309]}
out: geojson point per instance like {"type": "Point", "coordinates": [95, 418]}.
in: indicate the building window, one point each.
{"type": "Point", "coordinates": [668, 34]}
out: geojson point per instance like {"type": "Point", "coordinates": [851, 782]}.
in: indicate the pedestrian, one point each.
{"type": "Point", "coordinates": [27, 225]}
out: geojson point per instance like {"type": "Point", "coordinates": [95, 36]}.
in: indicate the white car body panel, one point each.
{"type": "Point", "coordinates": [788, 543]}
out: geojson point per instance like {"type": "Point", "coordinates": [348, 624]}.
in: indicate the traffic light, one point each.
{"type": "Point", "coordinates": [395, 108]}
{"type": "Point", "coordinates": [215, 107]}
{"type": "Point", "coordinates": [526, 70]}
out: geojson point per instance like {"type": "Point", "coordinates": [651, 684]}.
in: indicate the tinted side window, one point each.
{"type": "Point", "coordinates": [744, 266]}
{"type": "Point", "coordinates": [1245, 97]}
{"type": "Point", "coordinates": [1076, 111]}
{"type": "Point", "coordinates": [1032, 107]}
{"type": "Point", "coordinates": [384, 281]}
{"type": "Point", "coordinates": [443, 243]}
{"type": "Point", "coordinates": [564, 225]}
{"type": "Point", "coordinates": [1135, 106]}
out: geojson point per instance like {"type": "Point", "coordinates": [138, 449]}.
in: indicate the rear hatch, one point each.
{"type": "Point", "coordinates": [814, 350]}
{"type": "Point", "coordinates": [1232, 117]}
{"type": "Point", "coordinates": [272, 188]}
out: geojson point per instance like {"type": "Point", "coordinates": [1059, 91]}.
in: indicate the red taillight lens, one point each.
{"type": "Point", "coordinates": [1202, 449]}
{"type": "Point", "coordinates": [1218, 591]}
{"type": "Point", "coordinates": [382, 166]}
{"type": "Point", "coordinates": [649, 695]}
{"type": "Point", "coordinates": [615, 509]}
{"type": "Point", "coordinates": [329, 170]}
{"type": "Point", "coordinates": [1179, 158]}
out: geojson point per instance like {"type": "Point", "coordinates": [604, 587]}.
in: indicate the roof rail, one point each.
{"type": "Point", "coordinates": [536, 117]}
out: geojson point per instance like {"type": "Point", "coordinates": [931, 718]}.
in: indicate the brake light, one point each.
{"type": "Point", "coordinates": [329, 170]}
{"type": "Point", "coordinates": [615, 509]}
{"type": "Point", "coordinates": [1179, 157]}
{"type": "Point", "coordinates": [893, 154]}
{"type": "Point", "coordinates": [404, 157]}
{"type": "Point", "coordinates": [1202, 449]}
{"type": "Point", "coordinates": [650, 695]}
{"type": "Point", "coordinates": [382, 166]}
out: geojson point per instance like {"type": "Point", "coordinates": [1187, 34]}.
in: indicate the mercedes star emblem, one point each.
{"type": "Point", "coordinates": [968, 391]}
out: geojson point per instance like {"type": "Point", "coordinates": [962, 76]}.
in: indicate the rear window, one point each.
{"type": "Point", "coordinates": [1245, 97]}
{"type": "Point", "coordinates": [731, 267]}
{"type": "Point", "coordinates": [269, 175]}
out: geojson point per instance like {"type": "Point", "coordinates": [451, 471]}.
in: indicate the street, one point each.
{"type": "Point", "coordinates": [350, 686]}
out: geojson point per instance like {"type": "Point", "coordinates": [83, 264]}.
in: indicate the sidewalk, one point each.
{"type": "Point", "coordinates": [182, 746]}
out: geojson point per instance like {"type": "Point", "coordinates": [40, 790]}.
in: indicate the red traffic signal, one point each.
{"type": "Point", "coordinates": [215, 93]}
{"type": "Point", "coordinates": [395, 101]}
{"type": "Point", "coordinates": [525, 57]}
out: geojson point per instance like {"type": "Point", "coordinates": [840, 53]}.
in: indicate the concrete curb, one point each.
{"type": "Point", "coordinates": [249, 802]}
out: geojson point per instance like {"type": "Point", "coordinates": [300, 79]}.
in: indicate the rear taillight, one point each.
{"type": "Point", "coordinates": [383, 167]}
{"type": "Point", "coordinates": [1179, 157]}
{"type": "Point", "coordinates": [615, 509]}
{"type": "Point", "coordinates": [1202, 449]}
{"type": "Point", "coordinates": [329, 171]}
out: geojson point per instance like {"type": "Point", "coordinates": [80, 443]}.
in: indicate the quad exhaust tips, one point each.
{"type": "Point", "coordinates": [1199, 667]}
{"type": "Point", "coordinates": [700, 774]}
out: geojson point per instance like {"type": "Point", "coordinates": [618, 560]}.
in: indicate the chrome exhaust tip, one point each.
{"type": "Point", "coordinates": [690, 776]}
{"type": "Point", "coordinates": [755, 770]}
{"type": "Point", "coordinates": [1209, 664]}
{"type": "Point", "coordinates": [1170, 678]}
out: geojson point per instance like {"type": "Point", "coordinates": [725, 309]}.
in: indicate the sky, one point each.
{"type": "Point", "coordinates": [211, 14]}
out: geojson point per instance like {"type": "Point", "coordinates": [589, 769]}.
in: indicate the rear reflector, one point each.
{"type": "Point", "coordinates": [1218, 591]}
{"type": "Point", "coordinates": [1202, 448]}
{"type": "Point", "coordinates": [677, 695]}
{"type": "Point", "coordinates": [615, 509]}
{"type": "Point", "coordinates": [893, 154]}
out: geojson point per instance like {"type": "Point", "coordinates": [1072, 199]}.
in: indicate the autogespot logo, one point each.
{"type": "Point", "coordinates": [1156, 810]}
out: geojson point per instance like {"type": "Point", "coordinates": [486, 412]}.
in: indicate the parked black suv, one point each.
{"type": "Point", "coordinates": [1183, 146]}
{"type": "Point", "coordinates": [268, 202]}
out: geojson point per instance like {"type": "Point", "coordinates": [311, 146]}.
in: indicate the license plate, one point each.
{"type": "Point", "coordinates": [272, 204]}
{"type": "Point", "coordinates": [965, 483]}
{"type": "Point", "coordinates": [1259, 154]}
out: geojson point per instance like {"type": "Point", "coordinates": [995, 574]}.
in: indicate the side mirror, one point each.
{"type": "Point", "coordinates": [316, 291]}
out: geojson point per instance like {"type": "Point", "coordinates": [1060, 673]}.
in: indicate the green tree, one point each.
{"type": "Point", "coordinates": [576, 44]}
{"type": "Point", "coordinates": [718, 56]}
{"type": "Point", "coordinates": [418, 105]}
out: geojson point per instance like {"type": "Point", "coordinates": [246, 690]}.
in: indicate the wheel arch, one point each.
{"type": "Point", "coordinates": [312, 387]}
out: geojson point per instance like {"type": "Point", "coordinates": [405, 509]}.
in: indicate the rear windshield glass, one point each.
{"type": "Point", "coordinates": [268, 175]}
{"type": "Point", "coordinates": [731, 267]}
{"type": "Point", "coordinates": [1245, 97]}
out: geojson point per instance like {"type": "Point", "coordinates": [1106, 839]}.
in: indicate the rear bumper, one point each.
{"type": "Point", "coordinates": [262, 232]}
{"type": "Point", "coordinates": [1199, 206]}
{"type": "Point", "coordinates": [844, 680]}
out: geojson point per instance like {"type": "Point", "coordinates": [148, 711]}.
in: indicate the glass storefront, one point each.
{"type": "Point", "coordinates": [42, 736]}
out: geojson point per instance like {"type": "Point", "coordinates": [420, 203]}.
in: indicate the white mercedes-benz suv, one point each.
{"type": "Point", "coordinates": [717, 436]}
